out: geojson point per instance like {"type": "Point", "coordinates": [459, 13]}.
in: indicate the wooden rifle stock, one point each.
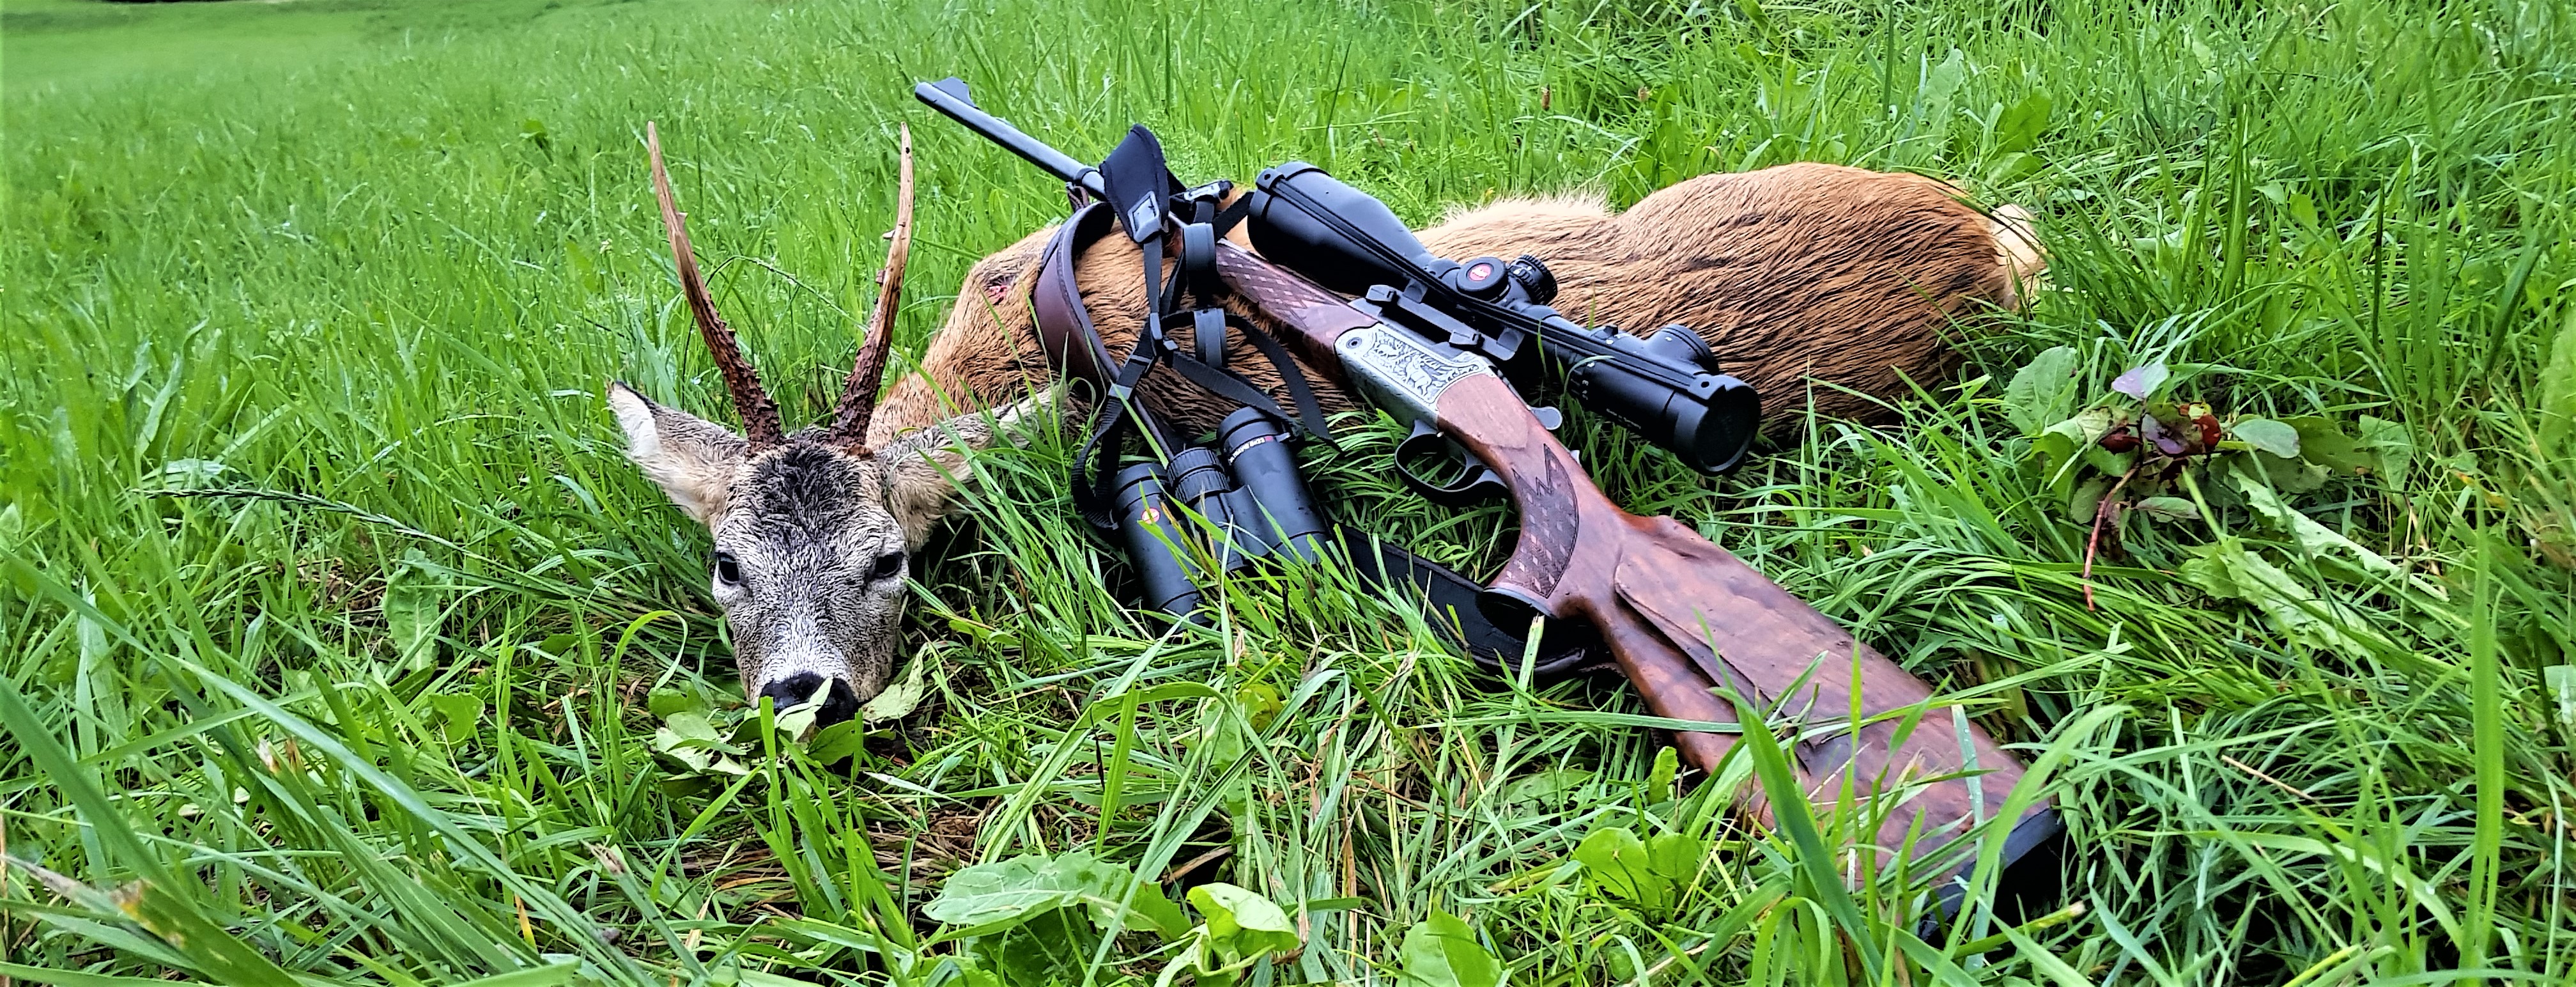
{"type": "Point", "coordinates": [1683, 616]}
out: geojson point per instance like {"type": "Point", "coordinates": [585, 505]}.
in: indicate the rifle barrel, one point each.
{"type": "Point", "coordinates": [949, 96]}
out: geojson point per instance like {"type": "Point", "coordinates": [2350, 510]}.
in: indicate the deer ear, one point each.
{"type": "Point", "coordinates": [922, 467]}
{"type": "Point", "coordinates": [690, 458]}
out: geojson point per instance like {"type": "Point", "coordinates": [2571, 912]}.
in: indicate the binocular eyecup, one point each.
{"type": "Point", "coordinates": [1213, 509]}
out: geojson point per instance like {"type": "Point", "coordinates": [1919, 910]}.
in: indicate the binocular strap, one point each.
{"type": "Point", "coordinates": [1073, 346]}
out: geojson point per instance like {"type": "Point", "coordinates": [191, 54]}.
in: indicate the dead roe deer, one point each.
{"type": "Point", "coordinates": [1804, 272]}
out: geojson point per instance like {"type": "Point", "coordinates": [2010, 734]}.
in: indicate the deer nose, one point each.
{"type": "Point", "coordinates": [838, 707]}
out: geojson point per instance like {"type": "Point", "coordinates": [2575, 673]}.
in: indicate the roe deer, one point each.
{"type": "Point", "coordinates": [1845, 276]}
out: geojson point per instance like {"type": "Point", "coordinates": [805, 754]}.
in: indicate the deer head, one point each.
{"type": "Point", "coordinates": [813, 531]}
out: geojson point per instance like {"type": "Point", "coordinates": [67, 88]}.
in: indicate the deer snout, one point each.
{"type": "Point", "coordinates": [838, 706]}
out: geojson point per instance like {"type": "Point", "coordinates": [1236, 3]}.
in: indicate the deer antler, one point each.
{"type": "Point", "coordinates": [760, 422]}
{"type": "Point", "coordinates": [859, 394]}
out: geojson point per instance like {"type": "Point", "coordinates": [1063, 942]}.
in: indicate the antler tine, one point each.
{"type": "Point", "coordinates": [760, 421]}
{"type": "Point", "coordinates": [859, 394]}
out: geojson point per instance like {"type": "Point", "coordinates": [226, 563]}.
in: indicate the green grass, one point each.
{"type": "Point", "coordinates": [384, 711]}
{"type": "Point", "coordinates": [89, 42]}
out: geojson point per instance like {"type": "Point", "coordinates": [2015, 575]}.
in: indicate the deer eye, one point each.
{"type": "Point", "coordinates": [728, 571]}
{"type": "Point", "coordinates": [888, 566]}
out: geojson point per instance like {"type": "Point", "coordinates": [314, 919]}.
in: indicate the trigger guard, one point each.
{"type": "Point", "coordinates": [1480, 484]}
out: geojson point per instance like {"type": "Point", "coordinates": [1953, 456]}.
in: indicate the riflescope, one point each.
{"type": "Point", "coordinates": [1664, 387]}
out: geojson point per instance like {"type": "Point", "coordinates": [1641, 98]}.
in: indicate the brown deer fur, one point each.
{"type": "Point", "coordinates": [1796, 275]}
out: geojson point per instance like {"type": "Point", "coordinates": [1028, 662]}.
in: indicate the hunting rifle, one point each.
{"type": "Point", "coordinates": [1683, 618]}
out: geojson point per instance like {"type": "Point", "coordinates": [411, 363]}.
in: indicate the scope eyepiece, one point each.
{"type": "Point", "coordinates": [1708, 426]}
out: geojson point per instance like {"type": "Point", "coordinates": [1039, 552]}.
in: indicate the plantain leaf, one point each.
{"type": "Point", "coordinates": [2042, 391]}
{"type": "Point", "coordinates": [2317, 539]}
{"type": "Point", "coordinates": [1242, 923]}
{"type": "Point", "coordinates": [2277, 438]}
{"type": "Point", "coordinates": [2322, 442]}
{"type": "Point", "coordinates": [994, 897]}
{"type": "Point", "coordinates": [901, 698]}
{"type": "Point", "coordinates": [1442, 951]}
{"type": "Point", "coordinates": [411, 622]}
{"type": "Point", "coordinates": [2395, 448]}
{"type": "Point", "coordinates": [990, 897]}
{"type": "Point", "coordinates": [2225, 569]}
{"type": "Point", "coordinates": [2170, 509]}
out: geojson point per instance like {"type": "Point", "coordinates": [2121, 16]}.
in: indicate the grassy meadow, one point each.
{"type": "Point", "coordinates": [339, 644]}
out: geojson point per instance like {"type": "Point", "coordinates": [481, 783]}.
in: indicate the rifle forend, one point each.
{"type": "Point", "coordinates": [1681, 615]}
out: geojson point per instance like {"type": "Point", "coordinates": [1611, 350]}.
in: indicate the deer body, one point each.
{"type": "Point", "coordinates": [1805, 271]}
{"type": "Point", "coordinates": [1839, 275]}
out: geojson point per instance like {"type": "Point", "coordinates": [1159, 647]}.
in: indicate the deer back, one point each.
{"type": "Point", "coordinates": [1797, 273]}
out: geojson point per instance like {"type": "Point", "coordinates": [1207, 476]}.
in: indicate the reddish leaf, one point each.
{"type": "Point", "coordinates": [2138, 382]}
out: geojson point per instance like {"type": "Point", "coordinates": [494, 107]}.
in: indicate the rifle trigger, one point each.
{"type": "Point", "coordinates": [1476, 485]}
{"type": "Point", "coordinates": [1483, 485]}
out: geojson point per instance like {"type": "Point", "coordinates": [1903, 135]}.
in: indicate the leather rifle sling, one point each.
{"type": "Point", "coordinates": [1064, 326]}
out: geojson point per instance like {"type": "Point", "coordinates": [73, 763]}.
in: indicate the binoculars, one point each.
{"type": "Point", "coordinates": [1213, 509]}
